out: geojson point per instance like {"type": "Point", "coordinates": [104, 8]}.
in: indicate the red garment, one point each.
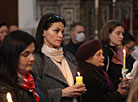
{"type": "Point", "coordinates": [28, 84]}
{"type": "Point", "coordinates": [118, 56]}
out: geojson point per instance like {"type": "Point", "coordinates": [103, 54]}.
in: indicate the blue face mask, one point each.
{"type": "Point", "coordinates": [80, 37]}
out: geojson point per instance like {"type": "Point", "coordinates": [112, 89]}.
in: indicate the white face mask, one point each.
{"type": "Point", "coordinates": [80, 37]}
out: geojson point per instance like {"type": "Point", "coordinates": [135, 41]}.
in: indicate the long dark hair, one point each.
{"type": "Point", "coordinates": [128, 38]}
{"type": "Point", "coordinates": [45, 24]}
{"type": "Point", "coordinates": [10, 50]}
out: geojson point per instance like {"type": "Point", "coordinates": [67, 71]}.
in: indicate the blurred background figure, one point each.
{"type": "Point", "coordinates": [99, 85]}
{"type": "Point", "coordinates": [130, 75]}
{"type": "Point", "coordinates": [13, 27]}
{"type": "Point", "coordinates": [111, 36]}
{"type": "Point", "coordinates": [128, 44]}
{"type": "Point", "coordinates": [133, 93]}
{"type": "Point", "coordinates": [3, 31]}
{"type": "Point", "coordinates": [77, 34]}
{"type": "Point", "coordinates": [135, 52]}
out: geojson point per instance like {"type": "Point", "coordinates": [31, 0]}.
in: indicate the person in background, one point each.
{"type": "Point", "coordinates": [133, 93]}
{"type": "Point", "coordinates": [111, 36]}
{"type": "Point", "coordinates": [13, 28]}
{"type": "Point", "coordinates": [77, 34]}
{"type": "Point", "coordinates": [128, 44]}
{"type": "Point", "coordinates": [99, 85]}
{"type": "Point", "coordinates": [3, 31]}
{"type": "Point", "coordinates": [55, 67]}
{"type": "Point", "coordinates": [135, 52]}
{"type": "Point", "coordinates": [130, 75]}
{"type": "Point", "coordinates": [16, 60]}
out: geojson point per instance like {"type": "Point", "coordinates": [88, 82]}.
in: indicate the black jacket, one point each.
{"type": "Point", "coordinates": [18, 94]}
{"type": "Point", "coordinates": [96, 85]}
{"type": "Point", "coordinates": [72, 48]}
{"type": "Point", "coordinates": [114, 70]}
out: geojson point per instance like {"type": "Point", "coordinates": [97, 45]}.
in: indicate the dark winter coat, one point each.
{"type": "Point", "coordinates": [114, 70]}
{"type": "Point", "coordinates": [96, 85]}
{"type": "Point", "coordinates": [18, 94]}
{"type": "Point", "coordinates": [51, 77]}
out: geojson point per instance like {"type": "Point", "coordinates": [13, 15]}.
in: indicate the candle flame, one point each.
{"type": "Point", "coordinates": [124, 51]}
{"type": "Point", "coordinates": [78, 73]}
{"type": "Point", "coordinates": [9, 98]}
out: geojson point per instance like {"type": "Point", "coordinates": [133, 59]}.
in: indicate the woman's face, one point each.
{"type": "Point", "coordinates": [3, 32]}
{"type": "Point", "coordinates": [54, 35]}
{"type": "Point", "coordinates": [116, 37]}
{"type": "Point", "coordinates": [129, 47]}
{"type": "Point", "coordinates": [97, 59]}
{"type": "Point", "coordinates": [26, 60]}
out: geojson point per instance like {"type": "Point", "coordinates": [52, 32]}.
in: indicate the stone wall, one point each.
{"type": "Point", "coordinates": [30, 12]}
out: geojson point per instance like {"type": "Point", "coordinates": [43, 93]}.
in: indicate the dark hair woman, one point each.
{"type": "Point", "coordinates": [53, 66]}
{"type": "Point", "coordinates": [112, 37]}
{"type": "Point", "coordinates": [16, 60]}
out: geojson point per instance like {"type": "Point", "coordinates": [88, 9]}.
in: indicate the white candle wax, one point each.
{"type": "Point", "coordinates": [9, 98]}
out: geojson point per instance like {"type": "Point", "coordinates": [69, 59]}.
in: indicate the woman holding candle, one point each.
{"type": "Point", "coordinates": [112, 37]}
{"type": "Point", "coordinates": [53, 66]}
{"type": "Point", "coordinates": [16, 59]}
{"type": "Point", "coordinates": [98, 84]}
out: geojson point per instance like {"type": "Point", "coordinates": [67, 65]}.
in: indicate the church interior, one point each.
{"type": "Point", "coordinates": [92, 13]}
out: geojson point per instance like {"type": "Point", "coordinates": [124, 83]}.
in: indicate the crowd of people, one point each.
{"type": "Point", "coordinates": [43, 69]}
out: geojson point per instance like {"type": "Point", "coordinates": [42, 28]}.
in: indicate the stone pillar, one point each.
{"type": "Point", "coordinates": [131, 17]}
{"type": "Point", "coordinates": [96, 19]}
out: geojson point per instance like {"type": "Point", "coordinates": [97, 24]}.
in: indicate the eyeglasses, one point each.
{"type": "Point", "coordinates": [54, 17]}
{"type": "Point", "coordinates": [130, 48]}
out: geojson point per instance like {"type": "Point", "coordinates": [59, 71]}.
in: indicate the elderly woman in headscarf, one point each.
{"type": "Point", "coordinates": [98, 84]}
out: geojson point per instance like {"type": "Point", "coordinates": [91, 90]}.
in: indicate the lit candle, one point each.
{"type": "Point", "coordinates": [124, 58]}
{"type": "Point", "coordinates": [9, 98]}
{"type": "Point", "coordinates": [96, 3]}
{"type": "Point", "coordinates": [79, 79]}
{"type": "Point", "coordinates": [114, 1]}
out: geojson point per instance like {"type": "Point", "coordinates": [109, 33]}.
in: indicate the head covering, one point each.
{"type": "Point", "coordinates": [88, 49]}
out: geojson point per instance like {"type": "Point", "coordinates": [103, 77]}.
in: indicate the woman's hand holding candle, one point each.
{"type": "Point", "coordinates": [74, 90]}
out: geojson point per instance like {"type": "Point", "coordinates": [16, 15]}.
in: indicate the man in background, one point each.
{"type": "Point", "coordinates": [77, 34]}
